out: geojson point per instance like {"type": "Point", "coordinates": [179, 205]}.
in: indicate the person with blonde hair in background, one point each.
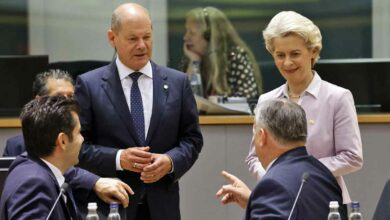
{"type": "Point", "coordinates": [295, 43]}
{"type": "Point", "coordinates": [227, 66]}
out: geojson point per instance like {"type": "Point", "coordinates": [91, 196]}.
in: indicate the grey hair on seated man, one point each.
{"type": "Point", "coordinates": [279, 138]}
{"type": "Point", "coordinates": [284, 119]}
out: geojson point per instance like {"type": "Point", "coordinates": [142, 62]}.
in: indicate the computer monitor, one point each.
{"type": "Point", "coordinates": [16, 77]}
{"type": "Point", "coordinates": [5, 162]}
{"type": "Point", "coordinates": [367, 79]}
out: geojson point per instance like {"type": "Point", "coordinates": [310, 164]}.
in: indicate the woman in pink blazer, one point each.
{"type": "Point", "coordinates": [295, 43]}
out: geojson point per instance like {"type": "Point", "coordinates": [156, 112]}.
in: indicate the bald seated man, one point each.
{"type": "Point", "coordinates": [280, 136]}
{"type": "Point", "coordinates": [60, 83]}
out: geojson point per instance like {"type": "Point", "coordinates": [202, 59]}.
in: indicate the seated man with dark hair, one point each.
{"type": "Point", "coordinates": [280, 136]}
{"type": "Point", "coordinates": [60, 83]}
{"type": "Point", "coordinates": [51, 129]}
{"type": "Point", "coordinates": [51, 83]}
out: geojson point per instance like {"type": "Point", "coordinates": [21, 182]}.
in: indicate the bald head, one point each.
{"type": "Point", "coordinates": [126, 12]}
{"type": "Point", "coordinates": [131, 35]}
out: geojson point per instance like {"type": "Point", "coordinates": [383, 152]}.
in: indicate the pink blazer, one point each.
{"type": "Point", "coordinates": [333, 130]}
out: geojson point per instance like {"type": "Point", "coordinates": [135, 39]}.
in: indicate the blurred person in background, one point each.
{"type": "Point", "coordinates": [227, 66]}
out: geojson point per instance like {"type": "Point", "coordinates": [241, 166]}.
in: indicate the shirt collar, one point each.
{"type": "Point", "coordinates": [270, 164]}
{"type": "Point", "coordinates": [313, 88]}
{"type": "Point", "coordinates": [124, 71]}
{"type": "Point", "coordinates": [57, 173]}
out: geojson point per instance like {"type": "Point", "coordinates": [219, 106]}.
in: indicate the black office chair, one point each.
{"type": "Point", "coordinates": [382, 211]}
{"type": "Point", "coordinates": [5, 162]}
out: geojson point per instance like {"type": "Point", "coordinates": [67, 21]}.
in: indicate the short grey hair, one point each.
{"type": "Point", "coordinates": [287, 23]}
{"type": "Point", "coordinates": [40, 82]}
{"type": "Point", "coordinates": [284, 119]}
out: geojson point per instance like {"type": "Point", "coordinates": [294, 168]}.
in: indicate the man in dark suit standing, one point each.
{"type": "Point", "coordinates": [51, 130]}
{"type": "Point", "coordinates": [139, 119]}
{"type": "Point", "coordinates": [281, 131]}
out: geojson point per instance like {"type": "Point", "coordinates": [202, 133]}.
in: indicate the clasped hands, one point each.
{"type": "Point", "coordinates": [151, 166]}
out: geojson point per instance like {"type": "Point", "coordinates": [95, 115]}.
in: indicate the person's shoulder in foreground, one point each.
{"type": "Point", "coordinates": [275, 193]}
{"type": "Point", "coordinates": [29, 182]}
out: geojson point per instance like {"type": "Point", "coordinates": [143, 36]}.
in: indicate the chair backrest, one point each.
{"type": "Point", "coordinates": [5, 162]}
{"type": "Point", "coordinates": [382, 211]}
{"type": "Point", "coordinates": [76, 68]}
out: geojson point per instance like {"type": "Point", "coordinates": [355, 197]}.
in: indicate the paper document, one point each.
{"type": "Point", "coordinates": [210, 108]}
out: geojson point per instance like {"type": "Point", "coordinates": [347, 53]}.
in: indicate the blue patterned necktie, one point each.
{"type": "Point", "coordinates": [137, 109]}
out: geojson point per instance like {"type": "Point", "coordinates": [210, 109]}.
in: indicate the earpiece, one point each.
{"type": "Point", "coordinates": [207, 33]}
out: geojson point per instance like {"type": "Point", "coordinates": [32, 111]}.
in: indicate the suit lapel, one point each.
{"type": "Point", "coordinates": [69, 213]}
{"type": "Point", "coordinates": [160, 93]}
{"type": "Point", "coordinates": [113, 88]}
{"type": "Point", "coordinates": [70, 204]}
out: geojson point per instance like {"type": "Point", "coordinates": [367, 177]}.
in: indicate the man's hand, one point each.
{"type": "Point", "coordinates": [236, 191]}
{"type": "Point", "coordinates": [160, 166]}
{"type": "Point", "coordinates": [113, 190]}
{"type": "Point", "coordinates": [135, 158]}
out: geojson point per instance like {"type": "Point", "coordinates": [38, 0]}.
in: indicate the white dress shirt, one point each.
{"type": "Point", "coordinates": [145, 84]}
{"type": "Point", "coordinates": [58, 175]}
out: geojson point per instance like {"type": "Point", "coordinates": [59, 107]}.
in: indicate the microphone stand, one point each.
{"type": "Point", "coordinates": [305, 175]}
{"type": "Point", "coordinates": [62, 190]}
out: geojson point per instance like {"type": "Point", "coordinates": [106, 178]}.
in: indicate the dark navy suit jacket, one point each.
{"type": "Point", "coordinates": [30, 192]}
{"type": "Point", "coordinates": [274, 195]}
{"type": "Point", "coordinates": [80, 180]}
{"type": "Point", "coordinates": [107, 127]}
{"type": "Point", "coordinates": [14, 146]}
{"type": "Point", "coordinates": [382, 211]}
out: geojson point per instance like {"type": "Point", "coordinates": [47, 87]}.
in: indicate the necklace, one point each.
{"type": "Point", "coordinates": [294, 97]}
{"type": "Point", "coordinates": [291, 96]}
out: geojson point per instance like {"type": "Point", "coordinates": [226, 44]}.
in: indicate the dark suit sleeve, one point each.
{"type": "Point", "coordinates": [81, 182]}
{"type": "Point", "coordinates": [14, 146]}
{"type": "Point", "coordinates": [31, 200]}
{"type": "Point", "coordinates": [270, 200]}
{"type": "Point", "coordinates": [382, 211]}
{"type": "Point", "coordinates": [95, 158]}
{"type": "Point", "coordinates": [7, 148]}
{"type": "Point", "coordinates": [190, 138]}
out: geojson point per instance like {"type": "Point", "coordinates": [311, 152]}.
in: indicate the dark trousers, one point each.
{"type": "Point", "coordinates": [142, 212]}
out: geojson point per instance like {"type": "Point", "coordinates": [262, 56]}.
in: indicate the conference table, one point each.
{"type": "Point", "coordinates": [226, 144]}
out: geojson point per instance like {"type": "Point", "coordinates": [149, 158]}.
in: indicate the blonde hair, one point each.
{"type": "Point", "coordinates": [291, 23]}
{"type": "Point", "coordinates": [222, 36]}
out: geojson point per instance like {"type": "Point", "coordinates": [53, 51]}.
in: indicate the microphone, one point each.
{"type": "Point", "coordinates": [64, 186]}
{"type": "Point", "coordinates": [305, 176]}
